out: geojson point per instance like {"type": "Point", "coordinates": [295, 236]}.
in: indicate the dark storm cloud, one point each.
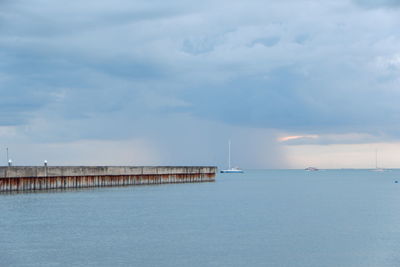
{"type": "Point", "coordinates": [87, 64]}
{"type": "Point", "coordinates": [287, 99]}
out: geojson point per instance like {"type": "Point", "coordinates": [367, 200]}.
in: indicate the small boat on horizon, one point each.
{"type": "Point", "coordinates": [377, 169]}
{"type": "Point", "coordinates": [311, 169]}
{"type": "Point", "coordinates": [234, 169]}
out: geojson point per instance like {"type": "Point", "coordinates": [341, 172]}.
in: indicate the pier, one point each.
{"type": "Point", "coordinates": [28, 178]}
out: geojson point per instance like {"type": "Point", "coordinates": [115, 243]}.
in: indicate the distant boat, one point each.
{"type": "Point", "coordinates": [234, 169]}
{"type": "Point", "coordinates": [376, 163]}
{"type": "Point", "coordinates": [311, 169]}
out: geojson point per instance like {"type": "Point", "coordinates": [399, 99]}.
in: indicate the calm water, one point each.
{"type": "Point", "coordinates": [261, 218]}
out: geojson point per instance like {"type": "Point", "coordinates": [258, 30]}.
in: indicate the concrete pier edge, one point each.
{"type": "Point", "coordinates": [27, 178]}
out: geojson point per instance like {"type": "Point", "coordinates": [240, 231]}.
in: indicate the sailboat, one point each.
{"type": "Point", "coordinates": [376, 163]}
{"type": "Point", "coordinates": [230, 169]}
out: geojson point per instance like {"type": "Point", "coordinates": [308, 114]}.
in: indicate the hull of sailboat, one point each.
{"type": "Point", "coordinates": [378, 170]}
{"type": "Point", "coordinates": [231, 171]}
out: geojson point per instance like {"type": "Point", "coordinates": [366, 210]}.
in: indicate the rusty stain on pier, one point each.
{"type": "Point", "coordinates": [40, 178]}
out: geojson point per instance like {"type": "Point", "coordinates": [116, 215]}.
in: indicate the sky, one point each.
{"type": "Point", "coordinates": [292, 83]}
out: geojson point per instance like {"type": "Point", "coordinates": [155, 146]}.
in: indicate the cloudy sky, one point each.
{"type": "Point", "coordinates": [293, 83]}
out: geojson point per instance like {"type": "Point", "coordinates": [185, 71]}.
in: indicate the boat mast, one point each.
{"type": "Point", "coordinates": [229, 156]}
{"type": "Point", "coordinates": [376, 158]}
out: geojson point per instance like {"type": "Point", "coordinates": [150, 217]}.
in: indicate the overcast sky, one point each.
{"type": "Point", "coordinates": [293, 83]}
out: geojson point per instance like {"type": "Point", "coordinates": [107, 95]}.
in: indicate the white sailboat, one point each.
{"type": "Point", "coordinates": [230, 169]}
{"type": "Point", "coordinates": [376, 163]}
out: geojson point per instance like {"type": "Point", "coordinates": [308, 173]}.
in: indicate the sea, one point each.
{"type": "Point", "coordinates": [291, 218]}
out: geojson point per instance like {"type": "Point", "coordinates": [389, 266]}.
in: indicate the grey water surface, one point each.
{"type": "Point", "coordinates": [334, 218]}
